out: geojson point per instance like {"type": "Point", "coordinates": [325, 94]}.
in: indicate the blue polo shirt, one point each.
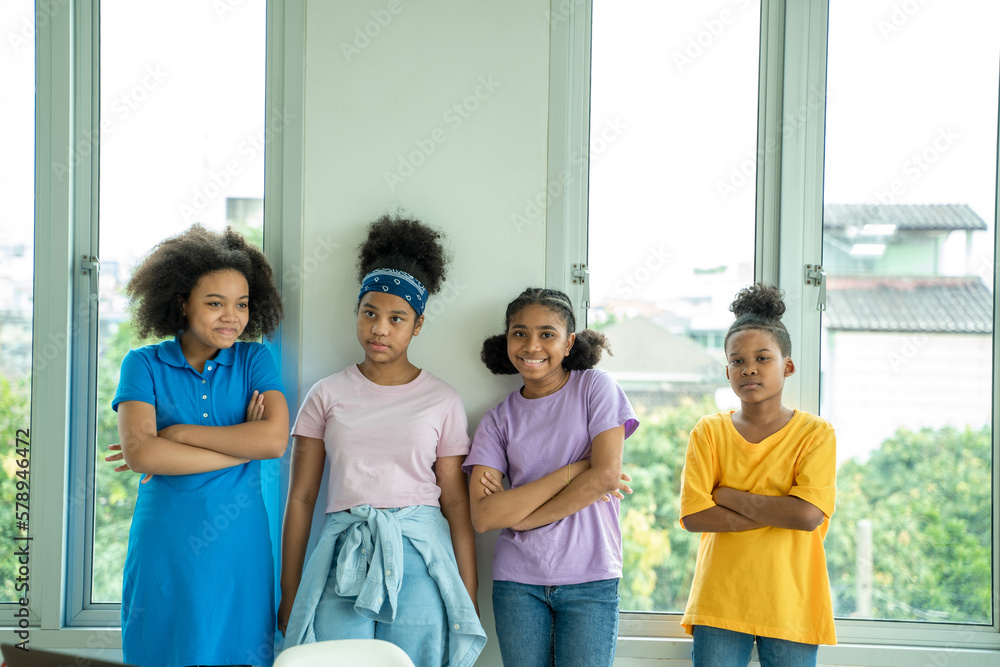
{"type": "Point", "coordinates": [218, 396]}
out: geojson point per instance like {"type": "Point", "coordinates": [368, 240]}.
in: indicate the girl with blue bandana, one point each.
{"type": "Point", "coordinates": [396, 559]}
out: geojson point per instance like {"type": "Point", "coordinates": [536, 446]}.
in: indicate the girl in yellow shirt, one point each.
{"type": "Point", "coordinates": [759, 485]}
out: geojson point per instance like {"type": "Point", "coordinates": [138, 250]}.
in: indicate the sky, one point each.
{"type": "Point", "coordinates": [674, 92]}
{"type": "Point", "coordinates": [202, 68]}
{"type": "Point", "coordinates": [912, 97]}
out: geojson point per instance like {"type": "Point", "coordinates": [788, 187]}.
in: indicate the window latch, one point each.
{"type": "Point", "coordinates": [90, 265]}
{"type": "Point", "coordinates": [580, 274]}
{"type": "Point", "coordinates": [815, 275]}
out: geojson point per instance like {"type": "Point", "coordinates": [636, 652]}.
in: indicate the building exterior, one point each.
{"type": "Point", "coordinates": [896, 327]}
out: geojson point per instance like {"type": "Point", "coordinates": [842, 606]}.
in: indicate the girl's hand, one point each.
{"type": "Point", "coordinates": [255, 411]}
{"type": "Point", "coordinates": [491, 484]}
{"type": "Point", "coordinates": [120, 456]}
{"type": "Point", "coordinates": [284, 611]}
{"type": "Point", "coordinates": [623, 488]}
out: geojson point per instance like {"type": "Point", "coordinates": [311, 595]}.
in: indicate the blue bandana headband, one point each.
{"type": "Point", "coordinates": [400, 283]}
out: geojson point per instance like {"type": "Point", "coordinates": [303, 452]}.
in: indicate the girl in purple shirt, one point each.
{"type": "Point", "coordinates": [559, 439]}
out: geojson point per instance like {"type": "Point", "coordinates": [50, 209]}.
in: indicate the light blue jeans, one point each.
{"type": "Point", "coordinates": [715, 647]}
{"type": "Point", "coordinates": [567, 626]}
{"type": "Point", "coordinates": [420, 626]}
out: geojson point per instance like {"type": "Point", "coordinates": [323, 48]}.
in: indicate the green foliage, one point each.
{"type": "Point", "coordinates": [659, 555]}
{"type": "Point", "coordinates": [14, 415]}
{"type": "Point", "coordinates": [928, 497]}
{"type": "Point", "coordinates": [115, 493]}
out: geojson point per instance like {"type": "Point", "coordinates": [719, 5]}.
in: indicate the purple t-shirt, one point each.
{"type": "Point", "coordinates": [526, 439]}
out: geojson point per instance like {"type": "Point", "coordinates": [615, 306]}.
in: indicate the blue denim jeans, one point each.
{"type": "Point", "coordinates": [420, 626]}
{"type": "Point", "coordinates": [567, 626]}
{"type": "Point", "coordinates": [715, 647]}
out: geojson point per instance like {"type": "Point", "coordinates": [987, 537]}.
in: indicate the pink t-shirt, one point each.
{"type": "Point", "coordinates": [382, 442]}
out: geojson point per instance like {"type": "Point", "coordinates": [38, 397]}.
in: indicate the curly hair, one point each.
{"type": "Point", "coordinates": [164, 278]}
{"type": "Point", "coordinates": [404, 245]}
{"type": "Point", "coordinates": [584, 354]}
{"type": "Point", "coordinates": [760, 307]}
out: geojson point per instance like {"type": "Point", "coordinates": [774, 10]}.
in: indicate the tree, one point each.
{"type": "Point", "coordinates": [14, 415]}
{"type": "Point", "coordinates": [659, 555]}
{"type": "Point", "coordinates": [114, 492]}
{"type": "Point", "coordinates": [928, 496]}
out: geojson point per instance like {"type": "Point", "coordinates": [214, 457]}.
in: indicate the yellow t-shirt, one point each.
{"type": "Point", "coordinates": [768, 581]}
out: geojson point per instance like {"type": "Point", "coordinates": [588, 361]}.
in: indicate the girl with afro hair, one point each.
{"type": "Point", "coordinates": [396, 559]}
{"type": "Point", "coordinates": [560, 439]}
{"type": "Point", "coordinates": [196, 415]}
{"type": "Point", "coordinates": [759, 485]}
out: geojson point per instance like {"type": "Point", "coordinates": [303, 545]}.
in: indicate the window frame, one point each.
{"type": "Point", "coordinates": [67, 75]}
{"type": "Point", "coordinates": [790, 187]}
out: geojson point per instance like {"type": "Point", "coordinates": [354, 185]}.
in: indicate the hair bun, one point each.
{"type": "Point", "coordinates": [760, 300]}
{"type": "Point", "coordinates": [404, 244]}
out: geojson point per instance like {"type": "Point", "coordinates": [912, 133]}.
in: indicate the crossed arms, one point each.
{"type": "Point", "coordinates": [552, 497]}
{"type": "Point", "coordinates": [736, 511]}
{"type": "Point", "coordinates": [184, 449]}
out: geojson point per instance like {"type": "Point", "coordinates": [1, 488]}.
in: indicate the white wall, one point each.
{"type": "Point", "coordinates": [874, 383]}
{"type": "Point", "coordinates": [375, 99]}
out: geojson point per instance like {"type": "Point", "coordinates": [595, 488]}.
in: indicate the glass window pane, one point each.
{"type": "Point", "coordinates": [182, 141]}
{"type": "Point", "coordinates": [907, 363]}
{"type": "Point", "coordinates": [673, 161]}
{"type": "Point", "coordinates": [17, 89]}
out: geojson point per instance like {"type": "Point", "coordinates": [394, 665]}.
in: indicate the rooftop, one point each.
{"type": "Point", "coordinates": [645, 351]}
{"type": "Point", "coordinates": [903, 217]}
{"type": "Point", "coordinates": [936, 304]}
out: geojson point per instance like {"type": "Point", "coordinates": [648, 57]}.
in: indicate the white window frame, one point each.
{"type": "Point", "coordinates": [789, 187]}
{"type": "Point", "coordinates": [64, 326]}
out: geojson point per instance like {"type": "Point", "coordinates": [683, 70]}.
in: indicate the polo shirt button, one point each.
{"type": "Point", "coordinates": [388, 573]}
{"type": "Point", "coordinates": [204, 395]}
{"type": "Point", "coordinates": [209, 368]}
{"type": "Point", "coordinates": [204, 381]}
{"type": "Point", "coordinates": [204, 414]}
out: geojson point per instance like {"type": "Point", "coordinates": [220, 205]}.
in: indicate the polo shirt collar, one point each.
{"type": "Point", "coordinates": [169, 352]}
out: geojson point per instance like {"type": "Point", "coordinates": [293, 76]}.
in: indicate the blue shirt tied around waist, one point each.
{"type": "Point", "coordinates": [370, 566]}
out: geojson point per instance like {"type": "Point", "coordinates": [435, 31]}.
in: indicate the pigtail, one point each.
{"type": "Point", "coordinates": [494, 355]}
{"type": "Point", "coordinates": [586, 351]}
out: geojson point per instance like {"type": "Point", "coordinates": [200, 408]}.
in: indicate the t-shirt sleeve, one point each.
{"type": "Point", "coordinates": [816, 471]}
{"type": "Point", "coordinates": [263, 371]}
{"type": "Point", "coordinates": [609, 407]}
{"type": "Point", "coordinates": [311, 420]}
{"type": "Point", "coordinates": [489, 446]}
{"type": "Point", "coordinates": [454, 439]}
{"type": "Point", "coordinates": [135, 382]}
{"type": "Point", "coordinates": [699, 478]}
